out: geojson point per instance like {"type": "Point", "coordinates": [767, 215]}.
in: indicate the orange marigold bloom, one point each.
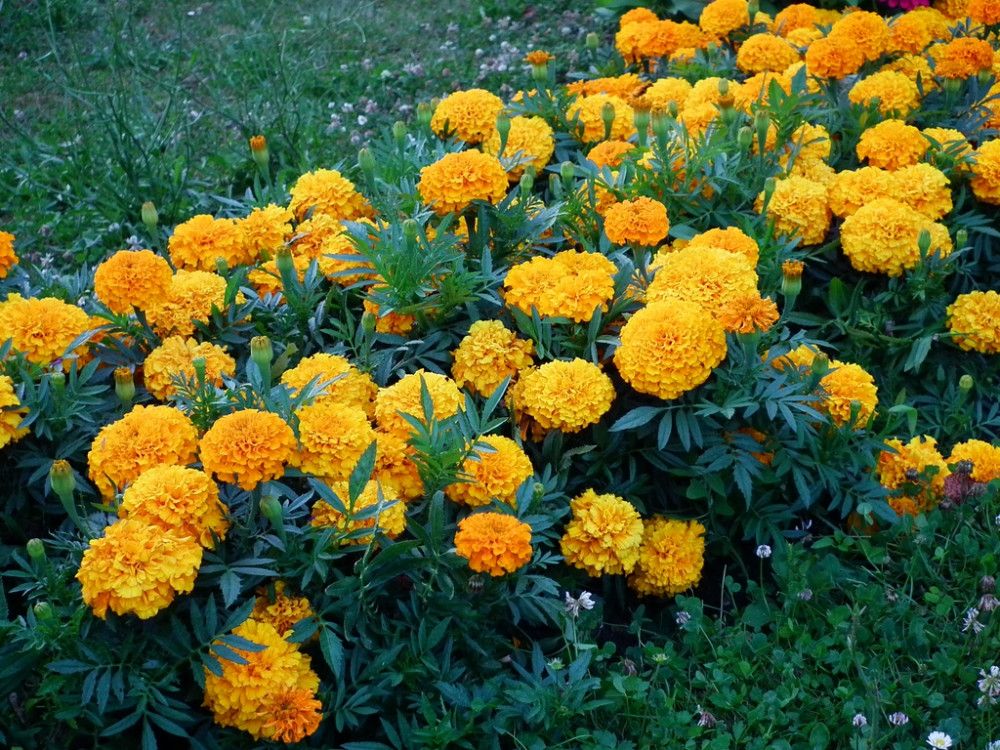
{"type": "Point", "coordinates": [404, 397]}
{"type": "Point", "coordinates": [470, 115]}
{"type": "Point", "coordinates": [626, 86]}
{"type": "Point", "coordinates": [721, 17]}
{"type": "Point", "coordinates": [280, 610]}
{"type": "Point", "coordinates": [986, 12]}
{"type": "Point", "coordinates": [333, 436]}
{"type": "Point", "coordinates": [395, 468]}
{"type": "Point", "coordinates": [923, 188]}
{"type": "Point", "coordinates": [610, 153]}
{"type": "Point", "coordinates": [389, 520]}
{"type": "Point", "coordinates": [913, 31]}
{"type": "Point", "coordinates": [868, 30]}
{"type": "Point", "coordinates": [892, 144]}
{"type": "Point", "coordinates": [338, 380]}
{"type": "Point", "coordinates": [799, 208]}
{"type": "Point", "coordinates": [137, 568]}
{"type": "Point", "coordinates": [198, 243]}
{"type": "Point", "coordinates": [671, 557]}
{"type": "Point", "coordinates": [455, 180]}
{"type": "Point", "coordinates": [916, 466]}
{"type": "Point", "coordinates": [8, 258]}
{"type": "Point", "coordinates": [669, 348]}
{"type": "Point", "coordinates": [974, 321]}
{"type": "Point", "coordinates": [641, 221]}
{"type": "Point", "coordinates": [603, 535]}
{"type": "Point", "coordinates": [495, 470]}
{"type": "Point", "coordinates": [883, 237]}
{"type": "Point", "coordinates": [569, 284]}
{"type": "Point", "coordinates": [848, 388]}
{"type": "Point", "coordinates": [709, 276]}
{"type": "Point", "coordinates": [588, 110]}
{"type": "Point", "coordinates": [952, 9]}
{"type": "Point", "coordinates": [179, 499]}
{"type": "Point", "coordinates": [488, 355]}
{"type": "Point", "coordinates": [664, 91]}
{"type": "Point", "coordinates": [749, 313]}
{"type": "Point", "coordinates": [563, 395]}
{"type": "Point", "coordinates": [132, 278]}
{"type": "Point", "coordinates": [765, 52]}
{"type": "Point", "coordinates": [190, 299]}
{"type": "Point", "coordinates": [985, 459]}
{"type": "Point", "coordinates": [147, 436]}
{"type": "Point", "coordinates": [291, 715]}
{"type": "Point", "coordinates": [985, 177]}
{"type": "Point", "coordinates": [851, 189]}
{"type": "Point", "coordinates": [494, 543]}
{"type": "Point", "coordinates": [961, 58]}
{"type": "Point", "coordinates": [247, 447]}
{"type": "Point", "coordinates": [42, 328]}
{"type": "Point", "coordinates": [175, 358]}
{"type": "Point", "coordinates": [530, 143]}
{"type": "Point", "coordinates": [539, 57]}
{"type": "Point", "coordinates": [266, 230]}
{"type": "Point", "coordinates": [834, 57]}
{"type": "Point", "coordinates": [795, 16]}
{"type": "Point", "coordinates": [11, 413]}
{"type": "Point", "coordinates": [733, 239]}
{"type": "Point", "coordinates": [395, 323]}
{"type": "Point", "coordinates": [894, 93]}
{"type": "Point", "coordinates": [327, 191]}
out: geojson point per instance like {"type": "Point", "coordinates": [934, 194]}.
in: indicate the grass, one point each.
{"type": "Point", "coordinates": [104, 105]}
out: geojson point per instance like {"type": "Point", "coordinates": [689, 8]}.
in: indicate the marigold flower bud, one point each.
{"type": "Point", "coordinates": [567, 171]}
{"type": "Point", "coordinates": [367, 162]}
{"type": "Point", "coordinates": [368, 322]}
{"type": "Point", "coordinates": [43, 611]}
{"type": "Point", "coordinates": [271, 509]}
{"type": "Point", "coordinates": [258, 148]}
{"type": "Point", "coordinates": [661, 126]}
{"type": "Point", "coordinates": [57, 381]}
{"type": "Point", "coordinates": [753, 8]}
{"type": "Point", "coordinates": [149, 215]}
{"type": "Point", "coordinates": [540, 74]}
{"type": "Point", "coordinates": [503, 130]}
{"type": "Point", "coordinates": [425, 111]}
{"type": "Point", "coordinates": [593, 41]}
{"type": "Point", "coordinates": [199, 365]}
{"type": "Point", "coordinates": [791, 277]}
{"type": "Point", "coordinates": [608, 118]}
{"type": "Point", "coordinates": [399, 131]}
{"type": "Point", "coordinates": [526, 184]}
{"type": "Point", "coordinates": [124, 386]}
{"type": "Point", "coordinates": [924, 242]}
{"type": "Point", "coordinates": [262, 354]}
{"type": "Point", "coordinates": [744, 137]}
{"type": "Point", "coordinates": [285, 264]}
{"type": "Point", "coordinates": [36, 549]}
{"type": "Point", "coordinates": [961, 238]}
{"type": "Point", "coordinates": [641, 119]}
{"type": "Point", "coordinates": [221, 267]}
{"type": "Point", "coordinates": [411, 229]}
{"type": "Point", "coordinates": [64, 485]}
{"type": "Point", "coordinates": [966, 382]}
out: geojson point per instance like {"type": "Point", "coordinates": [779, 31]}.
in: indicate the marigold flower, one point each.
{"type": "Point", "coordinates": [603, 535]}
{"type": "Point", "coordinates": [952, 9]}
{"type": "Point", "coordinates": [132, 278]}
{"type": "Point", "coordinates": [190, 299]}
{"type": "Point", "coordinates": [799, 208]}
{"type": "Point", "coordinates": [489, 354]}
{"type": "Point", "coordinates": [404, 397]}
{"type": "Point", "coordinates": [42, 328]}
{"type": "Point", "coordinates": [642, 221]}
{"type": "Point", "coordinates": [974, 321]}
{"type": "Point", "coordinates": [846, 388]}
{"type": "Point", "coordinates": [333, 436]}
{"type": "Point", "coordinates": [137, 568]}
{"type": "Point", "coordinates": [986, 12]}
{"type": "Point", "coordinates": [179, 499]}
{"type": "Point", "coordinates": [749, 313]}
{"type": "Point", "coordinates": [281, 611]}
{"type": "Point", "coordinates": [470, 115]}
{"type": "Point", "coordinates": [721, 17]}
{"type": "Point", "coordinates": [342, 382]}
{"type": "Point", "coordinates": [800, 357]}
{"type": "Point", "coordinates": [709, 276]}
{"type": "Point", "coordinates": [539, 57]}
{"type": "Point", "coordinates": [962, 58]}
{"type": "Point", "coordinates": [892, 145]}
{"type": "Point", "coordinates": [390, 519]}
{"type": "Point", "coordinates": [610, 153]}
{"type": "Point", "coordinates": [266, 230]}
{"type": "Point", "coordinates": [669, 348]}
{"type": "Point", "coordinates": [175, 358]}
{"type": "Point", "coordinates": [247, 447]}
{"type": "Point", "coordinates": [984, 457]}
{"type": "Point", "coordinates": [868, 30]}
{"type": "Point", "coordinates": [530, 143]}
{"type": "Point", "coordinates": [563, 395]}
{"type": "Point", "coordinates": [494, 543]}
{"type": "Point", "coordinates": [923, 188]}
{"type": "Point", "coordinates": [492, 473]}
{"type": "Point", "coordinates": [883, 237]}
{"type": "Point", "coordinates": [919, 463]}
{"type": "Point", "coordinates": [11, 413]}
{"type": "Point", "coordinates": [327, 192]}
{"type": "Point", "coordinates": [8, 258]}
{"type": "Point", "coordinates": [894, 93]}
{"type": "Point", "coordinates": [589, 111]}
{"type": "Point", "coordinates": [395, 468]}
{"type": "Point", "coordinates": [765, 52]}
{"type": "Point", "coordinates": [948, 141]}
{"type": "Point", "coordinates": [626, 87]}
{"type": "Point", "coordinates": [199, 243]}
{"type": "Point", "coordinates": [455, 180]}
{"type": "Point", "coordinates": [851, 189]}
{"type": "Point", "coordinates": [733, 239]}
{"type": "Point", "coordinates": [834, 57]}
{"type": "Point", "coordinates": [912, 32]}
{"type": "Point", "coordinates": [570, 284]}
{"type": "Point", "coordinates": [985, 176]}
{"type": "Point", "coordinates": [671, 557]}
{"type": "Point", "coordinates": [268, 695]}
{"type": "Point", "coordinates": [795, 16]}
{"type": "Point", "coordinates": [664, 92]}
{"type": "Point", "coordinates": [395, 323]}
{"type": "Point", "coordinates": [147, 436]}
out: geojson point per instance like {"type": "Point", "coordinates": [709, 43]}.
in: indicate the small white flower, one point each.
{"type": "Point", "coordinates": [995, 745]}
{"type": "Point", "coordinates": [859, 720]}
{"type": "Point", "coordinates": [683, 618]}
{"type": "Point", "coordinates": [898, 719]}
{"type": "Point", "coordinates": [939, 739]}
{"type": "Point", "coordinates": [584, 601]}
{"type": "Point", "coordinates": [971, 622]}
{"type": "Point", "coordinates": [997, 519]}
{"type": "Point", "coordinates": [362, 120]}
{"type": "Point", "coordinates": [989, 685]}
{"type": "Point", "coordinates": [763, 552]}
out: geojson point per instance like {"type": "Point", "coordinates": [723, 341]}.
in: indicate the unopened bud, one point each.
{"type": "Point", "coordinates": [262, 354]}
{"type": "Point", "coordinates": [43, 611]}
{"type": "Point", "coordinates": [367, 162]}
{"type": "Point", "coordinates": [608, 118]}
{"type": "Point", "coordinates": [425, 111]}
{"type": "Point", "coordinates": [661, 127]}
{"type": "Point", "coordinates": [538, 491]}
{"type": "Point", "coordinates": [791, 277]}
{"type": "Point", "coordinates": [966, 382]}
{"type": "Point", "coordinates": [411, 229]}
{"type": "Point", "coordinates": [753, 7]}
{"type": "Point", "coordinates": [399, 132]}
{"type": "Point", "coordinates": [198, 363]}
{"type": "Point", "coordinates": [821, 364]}
{"type": "Point", "coordinates": [149, 215]}
{"type": "Point", "coordinates": [258, 148]}
{"type": "Point", "coordinates": [672, 109]}
{"type": "Point", "coordinates": [221, 267]}
{"type": "Point", "coordinates": [124, 386]}
{"type": "Point", "coordinates": [540, 74]}
{"type": "Point", "coordinates": [593, 41]}
{"type": "Point", "coordinates": [368, 322]}
{"type": "Point", "coordinates": [924, 242]}
{"type": "Point", "coordinates": [744, 137]}
{"type": "Point", "coordinates": [769, 185]}
{"type": "Point", "coordinates": [567, 171]}
{"type": "Point", "coordinates": [271, 509]}
{"type": "Point", "coordinates": [526, 184]}
{"type": "Point", "coordinates": [503, 130]}
{"type": "Point", "coordinates": [64, 485]}
{"type": "Point", "coordinates": [641, 120]}
{"type": "Point", "coordinates": [36, 549]}
{"type": "Point", "coordinates": [961, 238]}
{"type": "Point", "coordinates": [285, 264]}
{"type": "Point", "coordinates": [57, 380]}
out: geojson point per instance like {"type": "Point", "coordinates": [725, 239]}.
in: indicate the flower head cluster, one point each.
{"type": "Point", "coordinates": [488, 355]}
{"type": "Point", "coordinates": [589, 111]}
{"type": "Point", "coordinates": [11, 413]}
{"type": "Point", "coordinates": [470, 115]}
{"type": "Point", "coordinates": [190, 299]}
{"type": "Point", "coordinates": [834, 57]}
{"type": "Point", "coordinates": [494, 543]}
{"type": "Point", "coordinates": [603, 535]}
{"type": "Point", "coordinates": [883, 236]}
{"type": "Point", "coordinates": [721, 17]}
{"type": "Point", "coordinates": [671, 557]}
{"type": "Point", "coordinates": [984, 457]}
{"type": "Point", "coordinates": [799, 208]}
{"type": "Point", "coordinates": [371, 510]}
{"type": "Point", "coordinates": [962, 57]}
{"type": "Point", "coordinates": [405, 397]}
{"type": "Point", "coordinates": [455, 180]}
{"type": "Point", "coordinates": [986, 172]}
{"type": "Point", "coordinates": [42, 328]}
{"type": "Point", "coordinates": [974, 321]}
{"type": "Point", "coordinates": [327, 192]}
{"type": "Point", "coordinates": [916, 468]}
{"type": "Point", "coordinates": [530, 143]}
{"type": "Point", "coordinates": [709, 276]}
{"type": "Point", "coordinates": [733, 239]}
{"type": "Point", "coordinates": [569, 284]}
{"type": "Point", "coordinates": [266, 230]}
{"type": "Point", "coordinates": [174, 359]}
{"type": "Point", "coordinates": [335, 378]}
{"type": "Point", "coordinates": [8, 258]}
{"type": "Point", "coordinates": [132, 279]}
{"type": "Point", "coordinates": [892, 144]}
{"type": "Point", "coordinates": [178, 499]}
{"type": "Point", "coordinates": [850, 395]}
{"type": "Point", "coordinates": [765, 52]}
{"type": "Point", "coordinates": [894, 93]}
{"type": "Point", "coordinates": [202, 241]}
{"type": "Point", "coordinates": [333, 436]}
{"type": "Point", "coordinates": [642, 221]}
{"type": "Point", "coordinates": [496, 470]}
{"type": "Point", "coordinates": [279, 609]}
{"type": "Point", "coordinates": [247, 447]}
{"type": "Point", "coordinates": [563, 395]}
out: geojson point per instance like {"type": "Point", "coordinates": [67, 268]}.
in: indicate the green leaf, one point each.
{"type": "Point", "coordinates": [333, 651]}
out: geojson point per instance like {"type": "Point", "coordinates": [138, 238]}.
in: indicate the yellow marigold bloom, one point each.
{"type": "Point", "coordinates": [610, 153]}
{"type": "Point", "coordinates": [892, 145]}
{"type": "Point", "coordinates": [868, 30]}
{"type": "Point", "coordinates": [137, 568]}
{"type": "Point", "coordinates": [733, 239]}
{"type": "Point", "coordinates": [917, 462]}
{"type": "Point", "coordinates": [390, 519]}
{"type": "Point", "coordinates": [948, 140]}
{"type": "Point", "coordinates": [603, 535]}
{"type": "Point", "coordinates": [696, 117]}
{"type": "Point", "coordinates": [795, 16]}
{"type": "Point", "coordinates": [247, 447]}
{"type": "Point", "coordinates": [923, 188]}
{"type": "Point", "coordinates": [327, 192]}
{"type": "Point", "coordinates": [565, 396]}
{"type": "Point", "coordinates": [641, 221]}
{"type": "Point", "coordinates": [191, 297]}
{"type": "Point", "coordinates": [198, 244]}
{"type": "Point", "coordinates": [132, 278]}
{"type": "Point", "coordinates": [710, 276]}
{"type": "Point", "coordinates": [952, 9]}
{"type": "Point", "coordinates": [985, 179]}
{"type": "Point", "coordinates": [530, 143]}
{"type": "Point", "coordinates": [455, 180]}
{"type": "Point", "coordinates": [631, 38]}
{"type": "Point", "coordinates": [147, 436]}
{"type": "Point", "coordinates": [914, 67]}
{"type": "Point", "coordinates": [398, 324]}
{"type": "Point", "coordinates": [664, 91]}
{"type": "Point", "coordinates": [266, 279]}
{"type": "Point", "coordinates": [721, 17]}
{"type": "Point", "coordinates": [42, 328]}
{"type": "Point", "coordinates": [813, 170]}
{"type": "Point", "coordinates": [834, 57]}
{"type": "Point", "coordinates": [801, 356]}
{"type": "Point", "coordinates": [175, 357]}
{"type": "Point", "coordinates": [669, 348]}
{"type": "Point", "coordinates": [489, 354]}
{"type": "Point", "coordinates": [569, 284]}
{"type": "Point", "coordinates": [626, 86]}
{"type": "Point", "coordinates": [894, 93]}
{"type": "Point", "coordinates": [342, 382]}
{"type": "Point", "coordinates": [494, 543]}
{"type": "Point", "coordinates": [974, 321]}
{"type": "Point", "coordinates": [799, 208]}
{"type": "Point", "coordinates": [470, 115]}
{"type": "Point", "coordinates": [810, 141]}
{"type": "Point", "coordinates": [986, 12]}
{"type": "Point", "coordinates": [395, 468]}
{"type": "Point", "coordinates": [494, 472]}
{"type": "Point", "coordinates": [178, 499]}
{"type": "Point", "coordinates": [765, 52]}
{"type": "Point", "coordinates": [281, 611]}
{"type": "Point", "coordinates": [852, 189]}
{"type": "Point", "coordinates": [671, 557]}
{"type": "Point", "coordinates": [11, 413]}
{"type": "Point", "coordinates": [962, 58]}
{"type": "Point", "coordinates": [749, 313]}
{"type": "Point", "coordinates": [883, 237]}
{"type": "Point", "coordinates": [910, 33]}
{"type": "Point", "coordinates": [333, 436]}
{"type": "Point", "coordinates": [985, 459]}
{"type": "Point", "coordinates": [266, 230]}
{"type": "Point", "coordinates": [588, 110]}
{"type": "Point", "coordinates": [272, 694]}
{"type": "Point", "coordinates": [847, 387]}
{"type": "Point", "coordinates": [404, 397]}
{"type": "Point", "coordinates": [8, 258]}
{"type": "Point", "coordinates": [637, 15]}
{"type": "Point", "coordinates": [802, 38]}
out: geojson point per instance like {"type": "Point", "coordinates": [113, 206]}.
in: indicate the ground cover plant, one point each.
{"type": "Point", "coordinates": [651, 405]}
